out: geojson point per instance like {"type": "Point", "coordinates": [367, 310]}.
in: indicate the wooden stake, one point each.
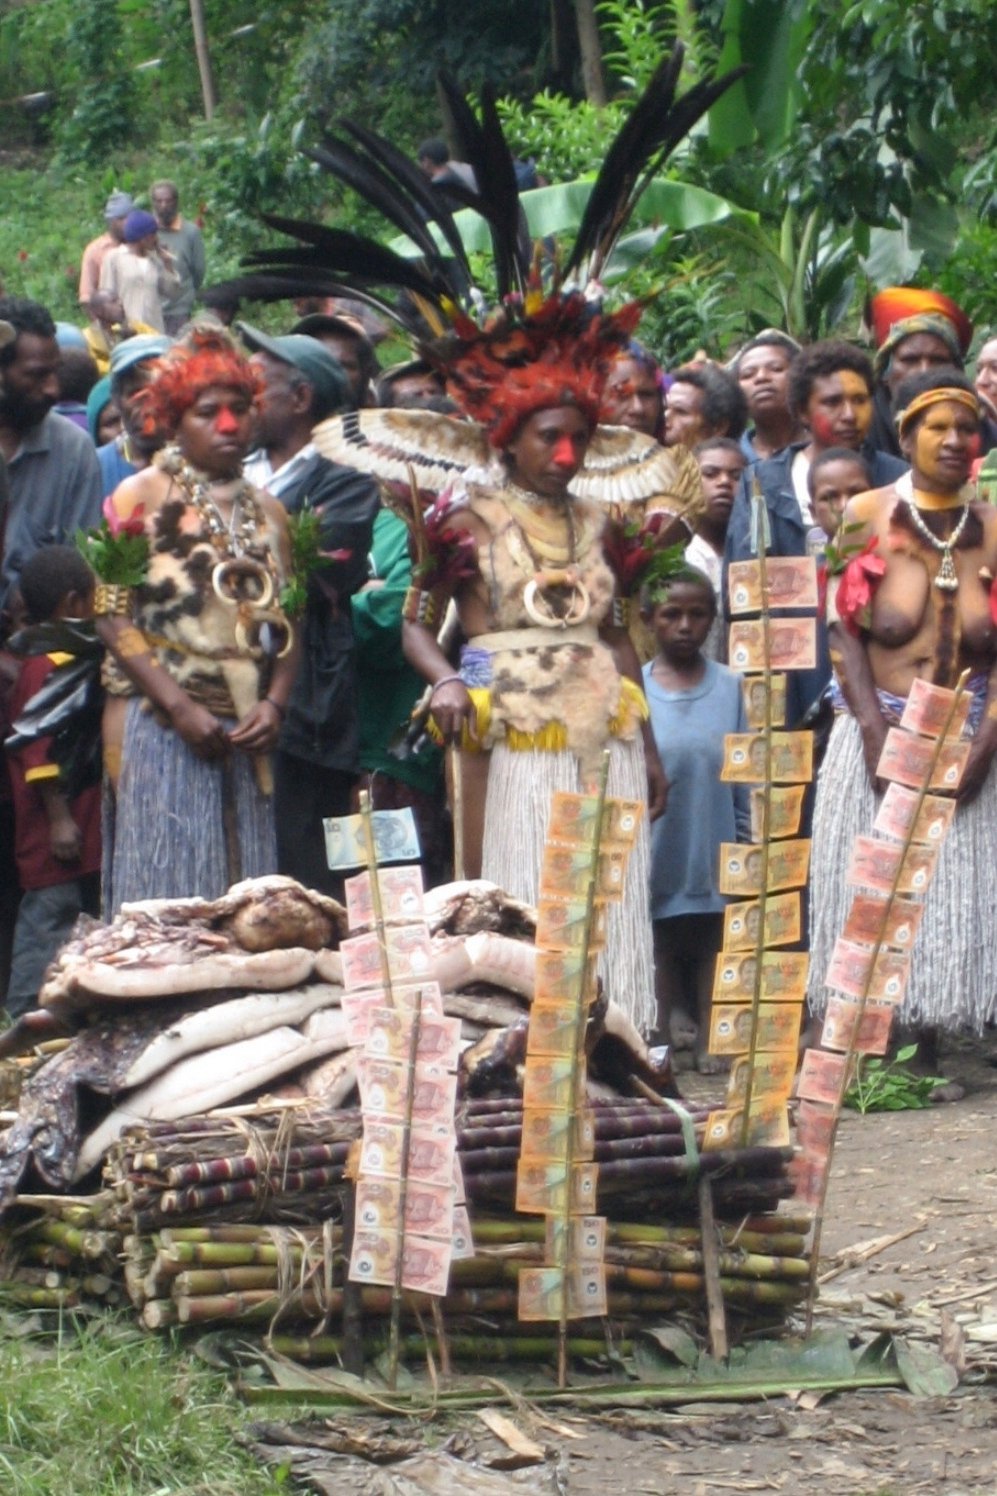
{"type": "Point", "coordinates": [717, 1317]}
{"type": "Point", "coordinates": [457, 809]}
{"type": "Point", "coordinates": [396, 1292]}
{"type": "Point", "coordinates": [203, 57]}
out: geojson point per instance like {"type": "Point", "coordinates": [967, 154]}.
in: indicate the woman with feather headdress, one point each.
{"type": "Point", "coordinates": [520, 492]}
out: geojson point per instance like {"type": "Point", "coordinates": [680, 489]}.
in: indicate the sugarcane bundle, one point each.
{"type": "Point", "coordinates": [54, 1253]}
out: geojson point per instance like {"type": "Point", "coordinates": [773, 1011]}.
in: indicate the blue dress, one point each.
{"type": "Point", "coordinates": [689, 729]}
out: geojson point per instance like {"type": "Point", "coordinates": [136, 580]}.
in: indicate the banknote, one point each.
{"type": "Point", "coordinates": [547, 1084]}
{"type": "Point", "coordinates": [425, 1261]}
{"type": "Point", "coordinates": [730, 1027]}
{"type": "Point", "coordinates": [553, 1030]}
{"type": "Point", "coordinates": [401, 896]}
{"type": "Point", "coordinates": [790, 582]}
{"type": "Point", "coordinates": [547, 1135]}
{"type": "Point", "coordinates": [771, 1076]}
{"type": "Point", "coordinates": [909, 759]}
{"type": "Point", "coordinates": [620, 821]}
{"type": "Point", "coordinates": [815, 1127]}
{"type": "Point", "coordinates": [842, 1025]}
{"type": "Point", "coordinates": [458, 1181]}
{"type": "Point", "coordinates": [559, 977]}
{"type": "Point", "coordinates": [823, 1077]}
{"type": "Point", "coordinates": [564, 924]}
{"type": "Point", "coordinates": [567, 871]}
{"type": "Point", "coordinates": [882, 865]}
{"type": "Point", "coordinates": [573, 818]}
{"type": "Point", "coordinates": [389, 1036]}
{"type": "Point", "coordinates": [756, 693]}
{"type": "Point", "coordinates": [932, 710]}
{"type": "Point", "coordinates": [395, 838]}
{"type": "Point", "coordinates": [785, 810]}
{"type": "Point", "coordinates": [853, 972]}
{"type": "Point", "coordinates": [808, 1172]}
{"type": "Point", "coordinates": [429, 1208]}
{"type": "Point", "coordinates": [745, 758]}
{"type": "Point", "coordinates": [407, 950]}
{"type": "Point", "coordinates": [792, 644]}
{"type": "Point", "coordinates": [426, 996]}
{"type": "Point", "coordinates": [873, 919]}
{"type": "Point", "coordinates": [581, 1288]}
{"type": "Point", "coordinates": [782, 922]}
{"type": "Point", "coordinates": [357, 1008]}
{"type": "Point", "coordinates": [430, 1159]}
{"type": "Point", "coordinates": [384, 1089]}
{"type": "Point", "coordinates": [784, 976]}
{"type": "Point", "coordinates": [741, 866]}
{"type": "Point", "coordinates": [462, 1239]}
{"type": "Point", "coordinates": [768, 1126]}
{"type": "Point", "coordinates": [576, 1239]}
{"type": "Point", "coordinates": [545, 1188]}
{"type": "Point", "coordinates": [902, 813]}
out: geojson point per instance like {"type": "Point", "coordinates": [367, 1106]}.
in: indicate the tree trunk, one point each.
{"type": "Point", "coordinates": [203, 56]}
{"type": "Point", "coordinates": [591, 50]}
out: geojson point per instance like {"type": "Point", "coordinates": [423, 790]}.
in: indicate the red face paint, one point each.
{"type": "Point", "coordinates": [226, 421]}
{"type": "Point", "coordinates": [564, 454]}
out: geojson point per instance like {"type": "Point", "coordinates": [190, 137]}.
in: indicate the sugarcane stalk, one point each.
{"type": "Point", "coordinates": [396, 1292]}
{"type": "Point", "coordinates": [200, 1282]}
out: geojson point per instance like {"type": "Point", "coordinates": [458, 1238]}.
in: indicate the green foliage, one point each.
{"type": "Point", "coordinates": [104, 1410]}
{"type": "Point", "coordinates": [890, 1085]}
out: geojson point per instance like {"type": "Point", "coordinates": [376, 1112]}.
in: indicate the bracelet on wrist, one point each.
{"type": "Point", "coordinates": [280, 710]}
{"type": "Point", "coordinates": [444, 680]}
{"type": "Point", "coordinates": [111, 601]}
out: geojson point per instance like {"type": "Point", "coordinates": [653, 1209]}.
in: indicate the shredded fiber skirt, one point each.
{"type": "Point", "coordinates": [520, 784]}
{"type": "Point", "coordinates": [178, 826]}
{"type": "Point", "coordinates": [953, 979]}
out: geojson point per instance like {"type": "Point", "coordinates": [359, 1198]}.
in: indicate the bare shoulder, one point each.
{"type": "Point", "coordinates": [871, 508]}
{"type": "Point", "coordinates": [145, 489]}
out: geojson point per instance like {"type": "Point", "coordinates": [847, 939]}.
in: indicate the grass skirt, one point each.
{"type": "Point", "coordinates": [953, 979]}
{"type": "Point", "coordinates": [164, 832]}
{"type": "Point", "coordinates": [520, 785]}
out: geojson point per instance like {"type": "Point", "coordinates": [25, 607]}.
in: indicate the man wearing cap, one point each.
{"type": "Point", "coordinates": [316, 759]}
{"type": "Point", "coordinates": [140, 272]}
{"type": "Point", "coordinates": [183, 239]}
{"type": "Point", "coordinates": [52, 467]}
{"type": "Point", "coordinates": [350, 347]}
{"type": "Point", "coordinates": [116, 210]}
{"type": "Point", "coordinates": [135, 445]}
{"type": "Point", "coordinates": [915, 330]}
{"type": "Point", "coordinates": [413, 385]}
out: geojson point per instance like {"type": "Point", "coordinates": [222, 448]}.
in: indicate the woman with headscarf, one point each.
{"type": "Point", "coordinates": [202, 654]}
{"type": "Point", "coordinates": [923, 609]}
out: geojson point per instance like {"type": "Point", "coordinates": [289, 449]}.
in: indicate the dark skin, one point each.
{"type": "Point", "coordinates": [284, 420]}
{"type": "Point", "coordinates": [721, 472]}
{"type": "Point", "coordinates": [632, 398]}
{"type": "Point", "coordinates": [214, 435]}
{"type": "Point", "coordinates": [543, 457]}
{"type": "Point", "coordinates": [29, 387]}
{"type": "Point", "coordinates": [914, 355]}
{"type": "Point", "coordinates": [681, 622]}
{"type": "Point", "coordinates": [763, 374]}
{"type": "Point", "coordinates": [65, 837]}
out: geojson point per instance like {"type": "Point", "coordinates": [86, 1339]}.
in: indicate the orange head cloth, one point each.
{"type": "Point", "coordinates": [900, 311]}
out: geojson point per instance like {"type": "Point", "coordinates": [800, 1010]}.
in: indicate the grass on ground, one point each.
{"type": "Point", "coordinates": [99, 1409]}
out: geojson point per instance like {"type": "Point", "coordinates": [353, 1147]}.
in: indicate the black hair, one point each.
{"type": "Point", "coordinates": [819, 361]}
{"type": "Point", "coordinates": [77, 374]}
{"type": "Point", "coordinates": [725, 410]}
{"type": "Point", "coordinates": [724, 443]}
{"type": "Point", "coordinates": [23, 316]}
{"type": "Point", "coordinates": [434, 149]}
{"type": "Point", "coordinates": [49, 576]}
{"type": "Point", "coordinates": [653, 593]}
{"type": "Point", "coordinates": [836, 454]}
{"type": "Point", "coordinates": [926, 379]}
{"type": "Point", "coordinates": [770, 338]}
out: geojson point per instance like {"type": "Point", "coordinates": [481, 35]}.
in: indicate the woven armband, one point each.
{"type": "Point", "coordinates": [426, 608]}
{"type": "Point", "coordinates": [110, 601]}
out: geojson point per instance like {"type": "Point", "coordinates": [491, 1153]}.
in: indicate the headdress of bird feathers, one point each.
{"type": "Point", "coordinates": [538, 348]}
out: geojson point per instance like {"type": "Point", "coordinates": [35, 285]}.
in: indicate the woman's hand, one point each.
{"type": "Point", "coordinates": [259, 729]}
{"type": "Point", "coordinates": [657, 781]}
{"type": "Point", "coordinates": [451, 706]}
{"type": "Point", "coordinates": [873, 737]}
{"type": "Point", "coordinates": [199, 729]}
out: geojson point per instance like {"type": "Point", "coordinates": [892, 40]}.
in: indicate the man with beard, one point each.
{"type": "Point", "coordinates": [52, 469]}
{"type": "Point", "coordinates": [316, 760]}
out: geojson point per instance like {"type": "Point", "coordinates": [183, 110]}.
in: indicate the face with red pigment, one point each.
{"type": "Point", "coordinates": [684, 424]}
{"type": "Point", "coordinates": [548, 450]}
{"type": "Point", "coordinates": [632, 397]}
{"type": "Point", "coordinates": [839, 410]}
{"type": "Point", "coordinates": [215, 432]}
{"type": "Point", "coordinates": [942, 446]}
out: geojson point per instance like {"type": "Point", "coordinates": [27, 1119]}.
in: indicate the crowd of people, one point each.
{"type": "Point", "coordinates": [246, 699]}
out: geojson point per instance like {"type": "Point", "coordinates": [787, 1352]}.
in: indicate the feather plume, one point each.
{"type": "Point", "coordinates": [484, 147]}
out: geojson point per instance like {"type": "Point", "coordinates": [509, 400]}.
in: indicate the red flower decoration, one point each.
{"type": "Point", "coordinates": [633, 553]}
{"type": "Point", "coordinates": [133, 525]}
{"type": "Point", "coordinates": [854, 598]}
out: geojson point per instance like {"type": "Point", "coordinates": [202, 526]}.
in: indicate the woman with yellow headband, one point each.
{"type": "Point", "coordinates": [914, 602]}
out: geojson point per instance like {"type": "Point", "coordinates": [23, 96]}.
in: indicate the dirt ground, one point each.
{"type": "Point", "coordinates": [928, 1179]}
